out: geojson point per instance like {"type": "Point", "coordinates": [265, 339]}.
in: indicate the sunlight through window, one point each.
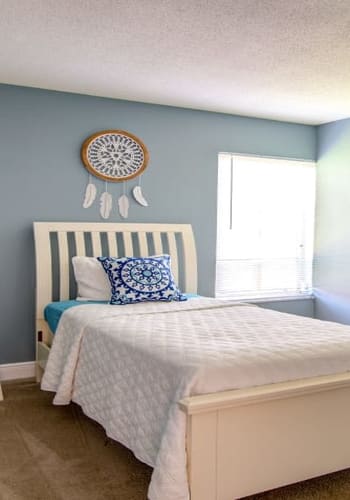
{"type": "Point", "coordinates": [265, 227]}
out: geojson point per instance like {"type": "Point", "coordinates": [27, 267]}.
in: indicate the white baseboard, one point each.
{"type": "Point", "coordinates": [14, 371]}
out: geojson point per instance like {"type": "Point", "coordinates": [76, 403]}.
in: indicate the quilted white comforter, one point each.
{"type": "Point", "coordinates": [128, 367]}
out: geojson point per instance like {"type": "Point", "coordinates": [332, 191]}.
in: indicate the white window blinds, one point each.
{"type": "Point", "coordinates": [265, 227]}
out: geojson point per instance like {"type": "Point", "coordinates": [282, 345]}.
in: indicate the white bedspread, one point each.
{"type": "Point", "coordinates": [128, 366]}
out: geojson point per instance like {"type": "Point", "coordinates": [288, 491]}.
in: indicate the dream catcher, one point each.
{"type": "Point", "coordinates": [114, 156]}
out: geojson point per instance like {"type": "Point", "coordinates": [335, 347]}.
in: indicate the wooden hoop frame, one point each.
{"type": "Point", "coordinates": [91, 138]}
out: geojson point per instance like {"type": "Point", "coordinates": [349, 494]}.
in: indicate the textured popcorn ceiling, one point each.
{"type": "Point", "coordinates": [286, 60]}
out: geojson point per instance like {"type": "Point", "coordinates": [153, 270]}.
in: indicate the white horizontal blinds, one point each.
{"type": "Point", "coordinates": [265, 227]}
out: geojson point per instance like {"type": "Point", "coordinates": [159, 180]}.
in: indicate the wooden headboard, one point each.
{"type": "Point", "coordinates": [57, 242]}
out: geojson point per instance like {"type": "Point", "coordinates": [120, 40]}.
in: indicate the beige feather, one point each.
{"type": "Point", "coordinates": [106, 203]}
{"type": "Point", "coordinates": [123, 205]}
{"type": "Point", "coordinates": [90, 195]}
{"type": "Point", "coordinates": [137, 192]}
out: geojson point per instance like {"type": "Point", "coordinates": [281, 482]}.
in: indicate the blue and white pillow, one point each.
{"type": "Point", "coordinates": [143, 279]}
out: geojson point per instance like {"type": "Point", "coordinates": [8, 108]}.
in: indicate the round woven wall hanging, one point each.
{"type": "Point", "coordinates": [114, 155]}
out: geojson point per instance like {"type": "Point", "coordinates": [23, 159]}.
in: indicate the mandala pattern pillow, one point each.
{"type": "Point", "coordinates": [143, 279]}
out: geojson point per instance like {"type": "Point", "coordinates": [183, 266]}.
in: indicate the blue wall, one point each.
{"type": "Point", "coordinates": [332, 243]}
{"type": "Point", "coordinates": [301, 307]}
{"type": "Point", "coordinates": [42, 178]}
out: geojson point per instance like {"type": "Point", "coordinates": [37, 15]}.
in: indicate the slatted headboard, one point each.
{"type": "Point", "coordinates": [57, 242]}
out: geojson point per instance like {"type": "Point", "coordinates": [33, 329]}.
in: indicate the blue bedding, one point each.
{"type": "Point", "coordinates": [54, 311]}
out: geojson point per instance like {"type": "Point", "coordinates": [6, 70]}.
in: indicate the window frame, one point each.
{"type": "Point", "coordinates": [264, 296]}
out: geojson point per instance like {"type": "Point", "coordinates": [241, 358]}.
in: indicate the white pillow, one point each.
{"type": "Point", "coordinates": [91, 278]}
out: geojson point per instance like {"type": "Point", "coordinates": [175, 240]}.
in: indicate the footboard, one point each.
{"type": "Point", "coordinates": [246, 441]}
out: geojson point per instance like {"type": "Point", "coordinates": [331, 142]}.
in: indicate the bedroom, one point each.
{"type": "Point", "coordinates": [42, 130]}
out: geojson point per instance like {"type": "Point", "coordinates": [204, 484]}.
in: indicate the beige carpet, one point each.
{"type": "Point", "coordinates": [50, 453]}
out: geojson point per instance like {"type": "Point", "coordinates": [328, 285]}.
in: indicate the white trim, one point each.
{"type": "Point", "coordinates": [256, 300]}
{"type": "Point", "coordinates": [13, 371]}
{"type": "Point", "coordinates": [282, 298]}
{"type": "Point", "coordinates": [270, 157]}
{"type": "Point", "coordinates": [251, 395]}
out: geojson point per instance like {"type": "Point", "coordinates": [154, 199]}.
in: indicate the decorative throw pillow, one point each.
{"type": "Point", "coordinates": [141, 279]}
{"type": "Point", "coordinates": [91, 279]}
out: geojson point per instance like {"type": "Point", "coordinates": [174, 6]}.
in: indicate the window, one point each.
{"type": "Point", "coordinates": [265, 227]}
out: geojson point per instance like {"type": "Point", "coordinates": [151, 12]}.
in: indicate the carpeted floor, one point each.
{"type": "Point", "coordinates": [56, 453]}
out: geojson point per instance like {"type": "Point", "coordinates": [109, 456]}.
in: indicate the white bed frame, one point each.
{"type": "Point", "coordinates": [239, 442]}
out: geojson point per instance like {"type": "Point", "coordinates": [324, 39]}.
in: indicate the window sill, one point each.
{"type": "Point", "coordinates": [282, 298]}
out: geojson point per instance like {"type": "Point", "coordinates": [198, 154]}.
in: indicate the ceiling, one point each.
{"type": "Point", "coordinates": [277, 59]}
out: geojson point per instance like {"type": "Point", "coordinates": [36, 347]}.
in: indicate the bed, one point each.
{"type": "Point", "coordinates": [237, 442]}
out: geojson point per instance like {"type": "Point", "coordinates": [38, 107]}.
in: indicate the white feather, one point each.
{"type": "Point", "coordinates": [137, 192]}
{"type": "Point", "coordinates": [123, 205]}
{"type": "Point", "coordinates": [105, 205]}
{"type": "Point", "coordinates": [90, 195]}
